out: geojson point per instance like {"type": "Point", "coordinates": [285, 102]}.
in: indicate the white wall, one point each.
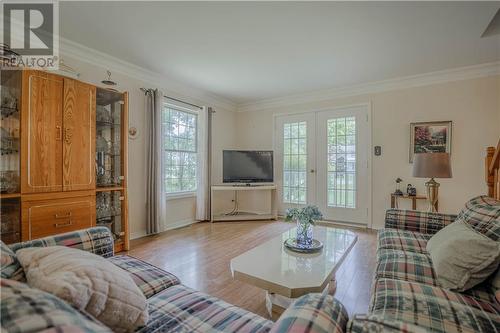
{"type": "Point", "coordinates": [180, 211]}
{"type": "Point", "coordinates": [473, 106]}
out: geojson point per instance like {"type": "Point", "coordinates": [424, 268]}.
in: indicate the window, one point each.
{"type": "Point", "coordinates": [342, 162]}
{"type": "Point", "coordinates": [180, 147]}
{"type": "Point", "coordinates": [295, 163]}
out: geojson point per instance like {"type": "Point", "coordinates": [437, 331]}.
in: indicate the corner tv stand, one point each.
{"type": "Point", "coordinates": [236, 214]}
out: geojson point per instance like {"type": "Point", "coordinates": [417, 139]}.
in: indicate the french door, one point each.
{"type": "Point", "coordinates": [323, 159]}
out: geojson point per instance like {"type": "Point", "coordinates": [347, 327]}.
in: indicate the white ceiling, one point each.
{"type": "Point", "coordinates": [249, 51]}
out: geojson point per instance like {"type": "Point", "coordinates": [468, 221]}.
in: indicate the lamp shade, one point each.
{"type": "Point", "coordinates": [432, 165]}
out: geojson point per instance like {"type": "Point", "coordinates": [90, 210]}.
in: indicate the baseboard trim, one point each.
{"type": "Point", "coordinates": [176, 225]}
{"type": "Point", "coordinates": [180, 224]}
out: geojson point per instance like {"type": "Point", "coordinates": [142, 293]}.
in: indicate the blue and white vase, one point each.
{"type": "Point", "coordinates": [304, 233]}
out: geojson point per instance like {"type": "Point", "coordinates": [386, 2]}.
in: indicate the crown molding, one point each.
{"type": "Point", "coordinates": [183, 91]}
{"type": "Point", "coordinates": [177, 89]}
{"type": "Point", "coordinates": [449, 75]}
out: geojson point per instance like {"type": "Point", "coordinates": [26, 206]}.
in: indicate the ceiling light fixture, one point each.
{"type": "Point", "coordinates": [108, 81]}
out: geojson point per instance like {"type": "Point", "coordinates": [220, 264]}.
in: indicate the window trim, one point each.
{"type": "Point", "coordinates": [180, 195]}
{"type": "Point", "coordinates": [183, 194]}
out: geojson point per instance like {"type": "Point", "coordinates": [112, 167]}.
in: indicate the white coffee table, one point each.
{"type": "Point", "coordinates": [286, 275]}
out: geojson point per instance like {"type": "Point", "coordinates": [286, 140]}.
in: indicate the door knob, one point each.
{"type": "Point", "coordinates": [312, 170]}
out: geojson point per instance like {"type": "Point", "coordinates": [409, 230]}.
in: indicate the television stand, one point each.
{"type": "Point", "coordinates": [237, 215]}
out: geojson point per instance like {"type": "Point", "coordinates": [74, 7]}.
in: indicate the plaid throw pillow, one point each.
{"type": "Point", "coordinates": [26, 309]}
{"type": "Point", "coordinates": [483, 215]}
{"type": "Point", "coordinates": [313, 313]}
{"type": "Point", "coordinates": [10, 266]}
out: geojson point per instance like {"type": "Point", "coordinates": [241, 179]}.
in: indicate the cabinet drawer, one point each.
{"type": "Point", "coordinates": [50, 217]}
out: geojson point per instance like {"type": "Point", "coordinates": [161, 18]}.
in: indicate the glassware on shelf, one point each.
{"type": "Point", "coordinates": [10, 221]}
{"type": "Point", "coordinates": [9, 143]}
{"type": "Point", "coordinates": [9, 101]}
{"type": "Point", "coordinates": [103, 115]}
{"type": "Point", "coordinates": [115, 148]}
{"type": "Point", "coordinates": [102, 145]}
{"type": "Point", "coordinates": [9, 181]}
{"type": "Point", "coordinates": [108, 211]}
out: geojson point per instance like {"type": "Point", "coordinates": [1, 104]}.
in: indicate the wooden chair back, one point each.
{"type": "Point", "coordinates": [492, 166]}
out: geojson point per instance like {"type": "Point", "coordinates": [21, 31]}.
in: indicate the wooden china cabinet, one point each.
{"type": "Point", "coordinates": [72, 156]}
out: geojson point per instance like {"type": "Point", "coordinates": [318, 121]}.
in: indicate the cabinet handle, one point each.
{"type": "Point", "coordinates": [59, 133]}
{"type": "Point", "coordinates": [65, 216]}
{"type": "Point", "coordinates": [62, 225]}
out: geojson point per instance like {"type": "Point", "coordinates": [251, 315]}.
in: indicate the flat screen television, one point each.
{"type": "Point", "coordinates": [247, 166]}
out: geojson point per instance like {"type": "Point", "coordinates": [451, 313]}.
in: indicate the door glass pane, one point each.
{"type": "Point", "coordinates": [341, 162]}
{"type": "Point", "coordinates": [109, 112]}
{"type": "Point", "coordinates": [295, 163]}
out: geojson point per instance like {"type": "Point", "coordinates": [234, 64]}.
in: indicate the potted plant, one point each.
{"type": "Point", "coordinates": [305, 218]}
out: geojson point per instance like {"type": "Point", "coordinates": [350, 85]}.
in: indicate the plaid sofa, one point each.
{"type": "Point", "coordinates": [407, 296]}
{"type": "Point", "coordinates": [172, 306]}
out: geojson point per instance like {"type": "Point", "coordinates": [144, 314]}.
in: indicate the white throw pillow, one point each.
{"type": "Point", "coordinates": [462, 257]}
{"type": "Point", "coordinates": [89, 283]}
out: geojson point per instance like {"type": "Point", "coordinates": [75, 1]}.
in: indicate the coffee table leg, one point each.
{"type": "Point", "coordinates": [332, 287]}
{"type": "Point", "coordinates": [276, 304]}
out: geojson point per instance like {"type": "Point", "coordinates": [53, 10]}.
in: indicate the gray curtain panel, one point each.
{"type": "Point", "coordinates": [155, 198]}
{"type": "Point", "coordinates": [204, 164]}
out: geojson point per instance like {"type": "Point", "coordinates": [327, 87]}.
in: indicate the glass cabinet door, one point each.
{"type": "Point", "coordinates": [109, 116]}
{"type": "Point", "coordinates": [111, 125]}
{"type": "Point", "coordinates": [10, 104]}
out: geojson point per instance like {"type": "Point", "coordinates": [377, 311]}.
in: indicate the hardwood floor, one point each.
{"type": "Point", "coordinates": [200, 254]}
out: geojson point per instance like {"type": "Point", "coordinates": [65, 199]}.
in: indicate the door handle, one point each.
{"type": "Point", "coordinates": [313, 171]}
{"type": "Point", "coordinates": [58, 133]}
{"type": "Point", "coordinates": [62, 225]}
{"type": "Point", "coordinates": [65, 216]}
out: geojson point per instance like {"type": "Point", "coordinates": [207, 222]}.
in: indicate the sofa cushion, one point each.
{"type": "Point", "coordinates": [372, 323]}
{"type": "Point", "coordinates": [434, 308]}
{"type": "Point", "coordinates": [97, 240]}
{"type": "Point", "coordinates": [181, 309]}
{"type": "Point", "coordinates": [406, 266]}
{"type": "Point", "coordinates": [413, 220]}
{"type": "Point", "coordinates": [493, 285]}
{"type": "Point", "coordinates": [483, 214]}
{"type": "Point", "coordinates": [313, 313]}
{"type": "Point", "coordinates": [88, 282]}
{"type": "Point", "coordinates": [25, 309]}
{"type": "Point", "coordinates": [483, 292]}
{"type": "Point", "coordinates": [462, 257]}
{"type": "Point", "coordinates": [150, 279]}
{"type": "Point", "coordinates": [10, 266]}
{"type": "Point", "coordinates": [408, 241]}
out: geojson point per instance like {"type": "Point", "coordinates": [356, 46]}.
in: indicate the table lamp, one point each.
{"type": "Point", "coordinates": [432, 165]}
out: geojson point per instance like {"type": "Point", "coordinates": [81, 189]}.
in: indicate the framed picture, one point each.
{"type": "Point", "coordinates": [430, 137]}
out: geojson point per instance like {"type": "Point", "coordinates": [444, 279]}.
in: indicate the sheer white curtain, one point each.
{"type": "Point", "coordinates": [155, 192]}
{"type": "Point", "coordinates": [204, 164]}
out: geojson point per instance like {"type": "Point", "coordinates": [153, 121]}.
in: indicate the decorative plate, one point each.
{"type": "Point", "coordinates": [291, 244]}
